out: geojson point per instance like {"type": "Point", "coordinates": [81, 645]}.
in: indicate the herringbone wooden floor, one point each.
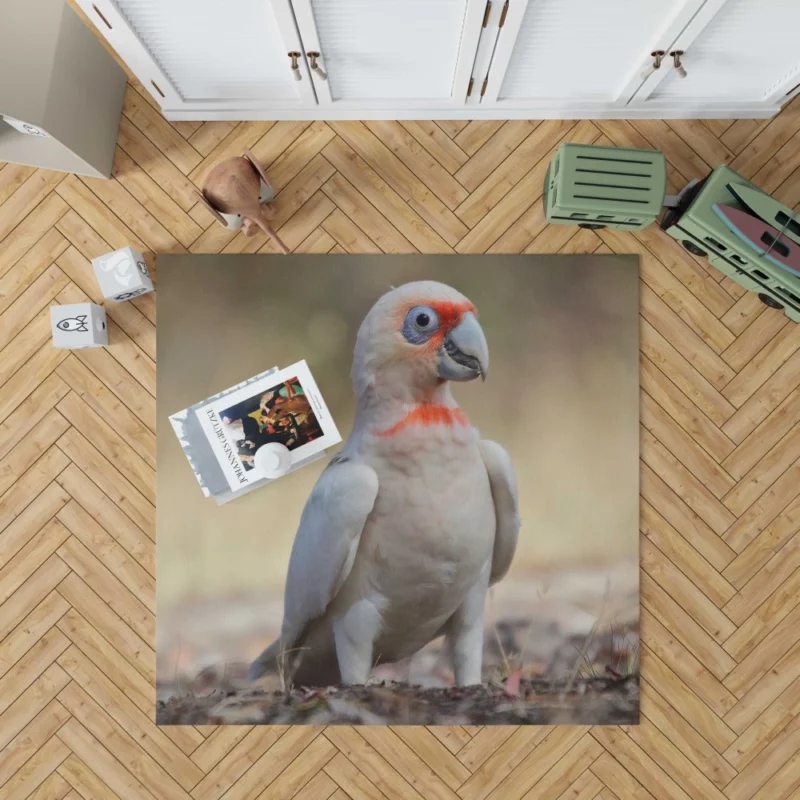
{"type": "Point", "coordinates": [720, 470]}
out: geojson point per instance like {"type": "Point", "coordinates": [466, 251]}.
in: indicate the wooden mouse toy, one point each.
{"type": "Point", "coordinates": [234, 187]}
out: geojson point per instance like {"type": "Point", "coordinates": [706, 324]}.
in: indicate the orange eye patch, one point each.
{"type": "Point", "coordinates": [450, 313]}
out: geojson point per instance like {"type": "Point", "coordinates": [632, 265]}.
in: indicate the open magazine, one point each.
{"type": "Point", "coordinates": [222, 434]}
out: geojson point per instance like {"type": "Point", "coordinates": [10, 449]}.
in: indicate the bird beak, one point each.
{"type": "Point", "coordinates": [464, 354]}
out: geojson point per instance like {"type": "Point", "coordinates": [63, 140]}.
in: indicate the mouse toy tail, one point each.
{"type": "Point", "coordinates": [269, 230]}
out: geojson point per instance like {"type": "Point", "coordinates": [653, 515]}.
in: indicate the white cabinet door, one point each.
{"type": "Point", "coordinates": [575, 54]}
{"type": "Point", "coordinates": [208, 54]}
{"type": "Point", "coordinates": [737, 51]}
{"type": "Point", "coordinates": [390, 54]}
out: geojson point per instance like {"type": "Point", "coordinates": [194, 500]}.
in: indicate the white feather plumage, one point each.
{"type": "Point", "coordinates": [403, 534]}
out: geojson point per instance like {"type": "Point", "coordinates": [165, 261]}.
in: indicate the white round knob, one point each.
{"type": "Point", "coordinates": [273, 460]}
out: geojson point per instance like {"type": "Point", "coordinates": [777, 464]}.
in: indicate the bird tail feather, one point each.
{"type": "Point", "coordinates": [268, 661]}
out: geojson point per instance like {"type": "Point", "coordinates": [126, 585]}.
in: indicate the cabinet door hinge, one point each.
{"type": "Point", "coordinates": [469, 88]}
{"type": "Point", "coordinates": [487, 12]}
{"type": "Point", "coordinates": [483, 88]}
{"type": "Point", "coordinates": [503, 15]}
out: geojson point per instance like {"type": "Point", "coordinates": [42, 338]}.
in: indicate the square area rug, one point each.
{"type": "Point", "coordinates": [460, 545]}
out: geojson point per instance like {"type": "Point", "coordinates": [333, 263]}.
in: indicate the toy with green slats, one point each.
{"type": "Point", "coordinates": [605, 187]}
{"type": "Point", "coordinates": [702, 232]}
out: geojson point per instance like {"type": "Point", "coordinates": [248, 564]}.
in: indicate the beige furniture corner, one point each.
{"type": "Point", "coordinates": [59, 78]}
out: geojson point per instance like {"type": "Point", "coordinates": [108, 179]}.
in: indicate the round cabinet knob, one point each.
{"type": "Point", "coordinates": [658, 56]}
{"type": "Point", "coordinates": [295, 66]}
{"type": "Point", "coordinates": [676, 60]}
{"type": "Point", "coordinates": [315, 68]}
{"type": "Point", "coordinates": [273, 460]}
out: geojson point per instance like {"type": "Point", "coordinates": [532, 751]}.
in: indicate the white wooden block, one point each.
{"type": "Point", "coordinates": [78, 325]}
{"type": "Point", "coordinates": [122, 274]}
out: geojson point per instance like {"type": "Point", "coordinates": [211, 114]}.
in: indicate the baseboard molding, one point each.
{"type": "Point", "coordinates": [754, 111]}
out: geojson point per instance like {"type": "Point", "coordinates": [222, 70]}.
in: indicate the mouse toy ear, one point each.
{"type": "Point", "coordinates": [257, 167]}
{"type": "Point", "coordinates": [214, 213]}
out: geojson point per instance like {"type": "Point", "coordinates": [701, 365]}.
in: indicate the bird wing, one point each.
{"type": "Point", "coordinates": [503, 485]}
{"type": "Point", "coordinates": [326, 543]}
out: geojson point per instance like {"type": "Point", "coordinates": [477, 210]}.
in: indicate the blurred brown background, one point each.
{"type": "Point", "coordinates": [561, 397]}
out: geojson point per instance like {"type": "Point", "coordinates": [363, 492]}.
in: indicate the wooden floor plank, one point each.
{"type": "Point", "coordinates": [102, 472]}
{"type": "Point", "coordinates": [165, 769]}
{"type": "Point", "coordinates": [30, 267]}
{"type": "Point", "coordinates": [99, 614]}
{"type": "Point", "coordinates": [105, 768]}
{"type": "Point", "coordinates": [20, 640]}
{"type": "Point", "coordinates": [684, 520]}
{"type": "Point", "coordinates": [12, 176]}
{"type": "Point", "coordinates": [39, 293]}
{"type": "Point", "coordinates": [30, 230]}
{"type": "Point", "coordinates": [367, 226]}
{"type": "Point", "coordinates": [691, 634]}
{"type": "Point", "coordinates": [491, 154]}
{"type": "Point", "coordinates": [226, 773]}
{"type": "Point", "coordinates": [429, 171]}
{"type": "Point", "coordinates": [26, 198]}
{"type": "Point", "coordinates": [684, 737]}
{"type": "Point", "coordinates": [134, 467]}
{"type": "Point", "coordinates": [209, 135]}
{"type": "Point", "coordinates": [508, 191]}
{"type": "Point", "coordinates": [678, 586]}
{"type": "Point", "coordinates": [132, 609]}
{"type": "Point", "coordinates": [31, 593]}
{"type": "Point", "coordinates": [37, 771]}
{"type": "Point", "coordinates": [777, 697]}
{"type": "Point", "coordinates": [351, 781]}
{"type": "Point", "coordinates": [43, 718]}
{"type": "Point", "coordinates": [152, 197]}
{"type": "Point", "coordinates": [159, 131]}
{"type": "Point", "coordinates": [41, 656]}
{"type": "Point", "coordinates": [165, 174]}
{"type": "Point", "coordinates": [402, 180]}
{"type": "Point", "coordinates": [684, 556]}
{"type": "Point", "coordinates": [298, 154]}
{"type": "Point", "coordinates": [437, 143]}
{"type": "Point", "coordinates": [685, 413]}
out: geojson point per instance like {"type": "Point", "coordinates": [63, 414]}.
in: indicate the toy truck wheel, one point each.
{"type": "Point", "coordinates": [770, 301]}
{"type": "Point", "coordinates": [592, 226]}
{"type": "Point", "coordinates": [693, 248]}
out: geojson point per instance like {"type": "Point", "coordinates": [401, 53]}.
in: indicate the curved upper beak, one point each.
{"type": "Point", "coordinates": [464, 354]}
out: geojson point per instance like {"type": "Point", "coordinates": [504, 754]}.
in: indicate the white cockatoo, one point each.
{"type": "Point", "coordinates": [415, 518]}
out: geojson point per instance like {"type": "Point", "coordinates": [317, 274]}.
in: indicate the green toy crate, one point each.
{"type": "Point", "coordinates": [695, 224]}
{"type": "Point", "coordinates": [605, 187]}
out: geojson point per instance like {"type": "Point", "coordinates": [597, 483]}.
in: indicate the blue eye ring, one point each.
{"type": "Point", "coordinates": [420, 324]}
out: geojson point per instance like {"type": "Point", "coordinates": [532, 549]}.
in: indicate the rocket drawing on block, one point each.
{"type": "Point", "coordinates": [74, 324]}
{"type": "Point", "coordinates": [415, 518]}
{"type": "Point", "coordinates": [78, 325]}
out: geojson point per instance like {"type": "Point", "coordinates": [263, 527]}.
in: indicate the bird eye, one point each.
{"type": "Point", "coordinates": [420, 324]}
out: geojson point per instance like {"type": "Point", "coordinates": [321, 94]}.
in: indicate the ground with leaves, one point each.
{"type": "Point", "coordinates": [583, 701]}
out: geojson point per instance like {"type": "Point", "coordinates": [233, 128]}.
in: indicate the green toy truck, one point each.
{"type": "Point", "coordinates": [702, 232]}
{"type": "Point", "coordinates": [610, 187]}
{"type": "Point", "coordinates": [605, 187]}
